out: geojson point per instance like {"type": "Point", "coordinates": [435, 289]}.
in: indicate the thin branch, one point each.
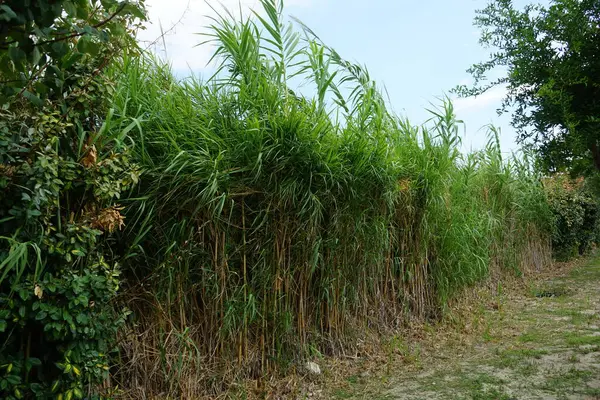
{"type": "Point", "coordinates": [77, 34]}
{"type": "Point", "coordinates": [34, 78]}
{"type": "Point", "coordinates": [163, 34]}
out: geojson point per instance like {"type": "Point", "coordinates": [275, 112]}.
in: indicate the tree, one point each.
{"type": "Point", "coordinates": [551, 60]}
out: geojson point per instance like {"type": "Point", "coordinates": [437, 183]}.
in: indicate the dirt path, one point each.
{"type": "Point", "coordinates": [540, 343]}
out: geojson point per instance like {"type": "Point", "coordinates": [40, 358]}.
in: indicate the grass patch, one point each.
{"type": "Point", "coordinates": [492, 394]}
{"type": "Point", "coordinates": [528, 368]}
{"type": "Point", "coordinates": [591, 271]}
{"type": "Point", "coordinates": [476, 383]}
{"type": "Point", "coordinates": [568, 380]}
{"type": "Point", "coordinates": [591, 392]}
{"type": "Point", "coordinates": [573, 340]}
{"type": "Point", "coordinates": [532, 337]}
{"type": "Point", "coordinates": [480, 386]}
{"type": "Point", "coordinates": [550, 290]}
{"type": "Point", "coordinates": [511, 358]}
{"type": "Point", "coordinates": [342, 394]}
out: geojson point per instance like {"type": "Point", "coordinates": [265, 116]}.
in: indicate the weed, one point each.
{"type": "Point", "coordinates": [550, 291]}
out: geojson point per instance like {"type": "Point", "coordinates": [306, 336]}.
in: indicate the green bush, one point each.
{"type": "Point", "coordinates": [57, 323]}
{"type": "Point", "coordinates": [61, 178]}
{"type": "Point", "coordinates": [576, 212]}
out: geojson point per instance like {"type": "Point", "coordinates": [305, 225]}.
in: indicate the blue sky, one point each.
{"type": "Point", "coordinates": [418, 49]}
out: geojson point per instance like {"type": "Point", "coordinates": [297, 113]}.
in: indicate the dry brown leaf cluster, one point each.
{"type": "Point", "coordinates": [91, 157]}
{"type": "Point", "coordinates": [109, 219]}
{"type": "Point", "coordinates": [7, 170]}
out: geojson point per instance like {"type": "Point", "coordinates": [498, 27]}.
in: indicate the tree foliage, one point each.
{"type": "Point", "coordinates": [550, 58]}
{"type": "Point", "coordinates": [61, 176]}
{"type": "Point", "coordinates": [41, 41]}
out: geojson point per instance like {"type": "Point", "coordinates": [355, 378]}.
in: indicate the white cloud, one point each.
{"type": "Point", "coordinates": [492, 97]}
{"type": "Point", "coordinates": [184, 19]}
{"type": "Point", "coordinates": [466, 81]}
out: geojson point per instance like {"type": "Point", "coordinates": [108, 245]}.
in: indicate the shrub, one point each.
{"type": "Point", "coordinates": [61, 178]}
{"type": "Point", "coordinates": [576, 213]}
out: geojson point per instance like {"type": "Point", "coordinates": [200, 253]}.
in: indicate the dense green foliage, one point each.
{"type": "Point", "coordinates": [271, 225]}
{"type": "Point", "coordinates": [263, 225]}
{"type": "Point", "coordinates": [41, 41]}
{"type": "Point", "coordinates": [549, 58]}
{"type": "Point", "coordinates": [61, 176]}
{"type": "Point", "coordinates": [576, 211]}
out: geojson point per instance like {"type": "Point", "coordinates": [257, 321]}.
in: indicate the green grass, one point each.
{"type": "Point", "coordinates": [590, 271]}
{"type": "Point", "coordinates": [568, 380]}
{"type": "Point", "coordinates": [342, 394]}
{"type": "Point", "coordinates": [271, 222]}
{"type": "Point", "coordinates": [512, 358]}
{"type": "Point", "coordinates": [528, 368]}
{"type": "Point", "coordinates": [532, 336]}
{"type": "Point", "coordinates": [575, 340]}
{"type": "Point", "coordinates": [576, 316]}
{"type": "Point", "coordinates": [492, 394]}
{"type": "Point", "coordinates": [476, 385]}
